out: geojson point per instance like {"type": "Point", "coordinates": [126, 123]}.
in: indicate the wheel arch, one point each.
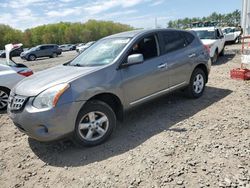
{"type": "Point", "coordinates": [204, 68]}
{"type": "Point", "coordinates": [3, 87]}
{"type": "Point", "coordinates": [113, 101]}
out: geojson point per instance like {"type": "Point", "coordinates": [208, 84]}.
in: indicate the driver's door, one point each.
{"type": "Point", "coordinates": [144, 81]}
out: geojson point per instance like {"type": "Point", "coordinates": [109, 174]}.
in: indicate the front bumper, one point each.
{"type": "Point", "coordinates": [23, 57]}
{"type": "Point", "coordinates": [46, 125]}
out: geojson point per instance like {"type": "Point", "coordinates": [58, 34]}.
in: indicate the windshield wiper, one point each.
{"type": "Point", "coordinates": [77, 65]}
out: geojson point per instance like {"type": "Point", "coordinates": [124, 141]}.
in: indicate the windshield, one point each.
{"type": "Point", "coordinates": [205, 34]}
{"type": "Point", "coordinates": [89, 44]}
{"type": "Point", "coordinates": [33, 49]}
{"type": "Point", "coordinates": [102, 52]}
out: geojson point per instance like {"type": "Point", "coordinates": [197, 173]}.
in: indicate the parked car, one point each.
{"type": "Point", "coordinates": [213, 39]}
{"type": "Point", "coordinates": [67, 47]}
{"type": "Point", "coordinates": [87, 95]}
{"type": "Point", "coordinates": [82, 48]}
{"type": "Point", "coordinates": [232, 35]}
{"type": "Point", "coordinates": [45, 50]}
{"type": "Point", "coordinates": [14, 53]}
{"type": "Point", "coordinates": [10, 74]}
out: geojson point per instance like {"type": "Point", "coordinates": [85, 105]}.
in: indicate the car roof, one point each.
{"type": "Point", "coordinates": [228, 27]}
{"type": "Point", "coordinates": [204, 28]}
{"type": "Point", "coordinates": [134, 33]}
{"type": "Point", "coordinates": [47, 45]}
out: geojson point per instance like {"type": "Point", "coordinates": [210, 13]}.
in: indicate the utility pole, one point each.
{"type": "Point", "coordinates": [156, 24]}
{"type": "Point", "coordinates": [245, 17]}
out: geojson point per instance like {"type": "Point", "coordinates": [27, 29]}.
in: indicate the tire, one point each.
{"type": "Point", "coordinates": [95, 123]}
{"type": "Point", "coordinates": [54, 55]}
{"type": "Point", "coordinates": [32, 57]}
{"type": "Point", "coordinates": [215, 57]}
{"type": "Point", "coordinates": [223, 51]}
{"type": "Point", "coordinates": [4, 95]}
{"type": "Point", "coordinates": [197, 84]}
{"type": "Point", "coordinates": [237, 40]}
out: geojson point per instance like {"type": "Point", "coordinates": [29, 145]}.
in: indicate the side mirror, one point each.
{"type": "Point", "coordinates": [133, 60]}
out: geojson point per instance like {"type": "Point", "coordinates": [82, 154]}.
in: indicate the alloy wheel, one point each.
{"type": "Point", "coordinates": [93, 126]}
{"type": "Point", "coordinates": [3, 99]}
{"type": "Point", "coordinates": [198, 83]}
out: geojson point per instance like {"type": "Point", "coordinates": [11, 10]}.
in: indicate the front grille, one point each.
{"type": "Point", "coordinates": [16, 102]}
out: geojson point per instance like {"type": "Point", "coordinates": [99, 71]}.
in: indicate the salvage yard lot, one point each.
{"type": "Point", "coordinates": [170, 142]}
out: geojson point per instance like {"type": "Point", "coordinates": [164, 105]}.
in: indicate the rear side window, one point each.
{"type": "Point", "coordinates": [189, 37]}
{"type": "Point", "coordinates": [44, 47]}
{"type": "Point", "coordinates": [51, 47]}
{"type": "Point", "coordinates": [173, 41]}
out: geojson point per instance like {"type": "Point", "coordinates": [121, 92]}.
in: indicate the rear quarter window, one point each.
{"type": "Point", "coordinates": [173, 40]}
{"type": "Point", "coordinates": [189, 37]}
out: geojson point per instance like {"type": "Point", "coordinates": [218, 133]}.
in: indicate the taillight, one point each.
{"type": "Point", "coordinates": [207, 47]}
{"type": "Point", "coordinates": [25, 73]}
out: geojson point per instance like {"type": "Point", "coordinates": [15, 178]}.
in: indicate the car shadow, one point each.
{"type": "Point", "coordinates": [3, 112]}
{"type": "Point", "coordinates": [224, 59]}
{"type": "Point", "coordinates": [139, 125]}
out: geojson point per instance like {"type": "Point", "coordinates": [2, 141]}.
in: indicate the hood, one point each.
{"type": "Point", "coordinates": [27, 51]}
{"type": "Point", "coordinates": [208, 41]}
{"type": "Point", "coordinates": [35, 84]}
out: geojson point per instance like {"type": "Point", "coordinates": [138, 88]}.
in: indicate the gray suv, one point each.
{"type": "Point", "coordinates": [45, 50]}
{"type": "Point", "coordinates": [85, 97]}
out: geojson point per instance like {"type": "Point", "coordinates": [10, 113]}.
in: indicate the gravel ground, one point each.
{"type": "Point", "coordinates": [170, 142]}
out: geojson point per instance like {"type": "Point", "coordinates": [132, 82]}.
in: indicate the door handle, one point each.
{"type": "Point", "coordinates": [191, 55]}
{"type": "Point", "coordinates": [162, 66]}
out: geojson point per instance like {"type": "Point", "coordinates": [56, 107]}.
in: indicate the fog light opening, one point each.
{"type": "Point", "coordinates": [45, 128]}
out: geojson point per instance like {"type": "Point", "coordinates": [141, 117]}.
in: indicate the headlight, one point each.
{"type": "Point", "coordinates": [50, 97]}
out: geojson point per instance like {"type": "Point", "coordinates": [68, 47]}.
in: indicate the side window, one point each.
{"type": "Point", "coordinates": [42, 47]}
{"type": "Point", "coordinates": [173, 41]}
{"type": "Point", "coordinates": [189, 37]}
{"type": "Point", "coordinates": [147, 46]}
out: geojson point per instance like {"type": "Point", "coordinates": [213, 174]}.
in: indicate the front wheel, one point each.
{"type": "Point", "coordinates": [197, 84]}
{"type": "Point", "coordinates": [222, 52]}
{"type": "Point", "coordinates": [54, 55]}
{"type": "Point", "coordinates": [215, 57]}
{"type": "Point", "coordinates": [95, 123]}
{"type": "Point", "coordinates": [32, 58]}
{"type": "Point", "coordinates": [4, 95]}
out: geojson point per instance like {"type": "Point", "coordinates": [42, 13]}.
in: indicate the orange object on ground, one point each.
{"type": "Point", "coordinates": [240, 74]}
{"type": "Point", "coordinates": [243, 73]}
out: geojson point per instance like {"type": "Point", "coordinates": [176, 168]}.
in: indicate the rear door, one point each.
{"type": "Point", "coordinates": [144, 81]}
{"type": "Point", "coordinates": [178, 56]}
{"type": "Point", "coordinates": [43, 51]}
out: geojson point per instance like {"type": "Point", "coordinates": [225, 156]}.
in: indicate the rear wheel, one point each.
{"type": "Point", "coordinates": [54, 55]}
{"type": "Point", "coordinates": [197, 84]}
{"type": "Point", "coordinates": [4, 95]}
{"type": "Point", "coordinates": [95, 123]}
{"type": "Point", "coordinates": [32, 57]}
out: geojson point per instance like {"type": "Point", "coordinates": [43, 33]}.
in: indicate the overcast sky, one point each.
{"type": "Point", "coordinates": [23, 14]}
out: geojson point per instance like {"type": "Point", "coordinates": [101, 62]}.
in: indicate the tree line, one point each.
{"type": "Point", "coordinates": [230, 19]}
{"type": "Point", "coordinates": [60, 33]}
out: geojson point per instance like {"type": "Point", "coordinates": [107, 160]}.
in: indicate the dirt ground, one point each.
{"type": "Point", "coordinates": [170, 142]}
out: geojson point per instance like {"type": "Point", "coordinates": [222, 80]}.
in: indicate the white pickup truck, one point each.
{"type": "Point", "coordinates": [232, 35]}
{"type": "Point", "coordinates": [213, 39]}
